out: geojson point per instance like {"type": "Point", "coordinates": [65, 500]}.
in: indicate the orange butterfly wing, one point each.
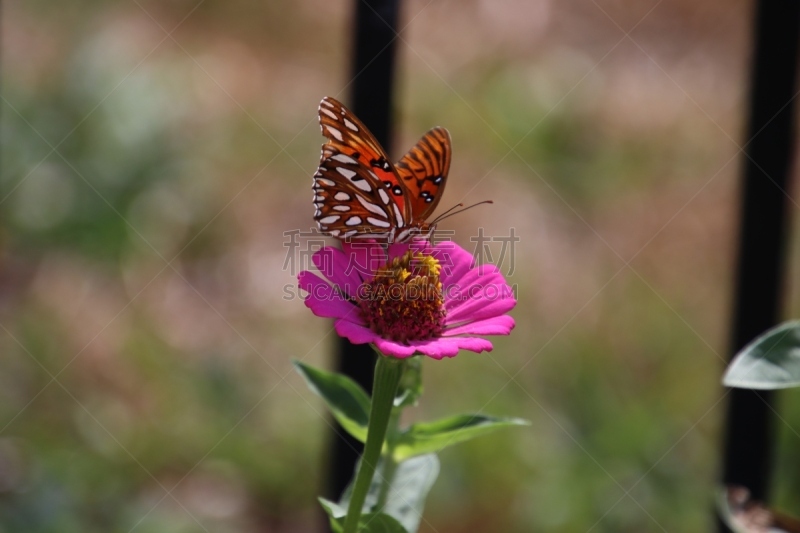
{"type": "Point", "coordinates": [423, 173]}
{"type": "Point", "coordinates": [350, 185]}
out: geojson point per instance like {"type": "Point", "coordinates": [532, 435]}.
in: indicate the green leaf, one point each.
{"type": "Point", "coordinates": [379, 523]}
{"type": "Point", "coordinates": [434, 436]}
{"type": "Point", "coordinates": [410, 486]}
{"type": "Point", "coordinates": [345, 398]}
{"type": "Point", "coordinates": [772, 361]}
{"type": "Point", "coordinates": [410, 388]}
{"type": "Point", "coordinates": [406, 495]}
{"type": "Point", "coordinates": [336, 514]}
{"type": "Point", "coordinates": [368, 523]}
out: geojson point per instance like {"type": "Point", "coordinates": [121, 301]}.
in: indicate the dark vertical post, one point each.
{"type": "Point", "coordinates": [371, 99]}
{"type": "Point", "coordinates": [748, 444]}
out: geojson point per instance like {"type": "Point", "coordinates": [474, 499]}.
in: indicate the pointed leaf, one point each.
{"type": "Point", "coordinates": [347, 401]}
{"type": "Point", "coordinates": [410, 486]}
{"type": "Point", "coordinates": [771, 361]}
{"type": "Point", "coordinates": [405, 499]}
{"type": "Point", "coordinates": [367, 523]}
{"type": "Point", "coordinates": [434, 436]}
{"type": "Point", "coordinates": [379, 523]}
{"type": "Point", "coordinates": [336, 514]}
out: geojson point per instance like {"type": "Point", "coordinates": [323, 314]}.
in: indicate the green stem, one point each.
{"type": "Point", "coordinates": [389, 464]}
{"type": "Point", "coordinates": [388, 371]}
{"type": "Point", "coordinates": [389, 468]}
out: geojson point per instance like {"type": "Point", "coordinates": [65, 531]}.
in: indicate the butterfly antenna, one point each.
{"type": "Point", "coordinates": [437, 219]}
{"type": "Point", "coordinates": [448, 214]}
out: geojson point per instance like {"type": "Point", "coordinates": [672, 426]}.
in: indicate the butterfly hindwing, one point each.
{"type": "Point", "coordinates": [423, 172]}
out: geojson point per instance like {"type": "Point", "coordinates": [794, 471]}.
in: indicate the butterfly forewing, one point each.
{"type": "Point", "coordinates": [345, 132]}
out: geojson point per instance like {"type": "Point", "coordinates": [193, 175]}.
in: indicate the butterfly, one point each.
{"type": "Point", "coordinates": [360, 194]}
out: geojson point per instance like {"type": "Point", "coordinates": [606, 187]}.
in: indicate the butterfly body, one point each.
{"type": "Point", "coordinates": [360, 194]}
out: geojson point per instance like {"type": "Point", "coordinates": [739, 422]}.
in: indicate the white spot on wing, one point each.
{"type": "Point", "coordinates": [329, 219]}
{"type": "Point", "coordinates": [342, 208]}
{"type": "Point", "coordinates": [403, 235]}
{"type": "Point", "coordinates": [383, 195]}
{"type": "Point", "coordinates": [329, 113]}
{"type": "Point", "coordinates": [333, 131]}
{"type": "Point", "coordinates": [344, 158]}
{"type": "Point", "coordinates": [353, 221]}
{"type": "Point", "coordinates": [342, 196]}
{"type": "Point", "coordinates": [350, 125]}
{"type": "Point", "coordinates": [377, 222]}
{"type": "Point", "coordinates": [398, 215]}
{"type": "Point", "coordinates": [327, 103]}
{"type": "Point", "coordinates": [369, 206]}
{"type": "Point", "coordinates": [361, 183]}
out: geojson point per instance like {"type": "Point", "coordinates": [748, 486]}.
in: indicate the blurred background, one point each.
{"type": "Point", "coordinates": [155, 153]}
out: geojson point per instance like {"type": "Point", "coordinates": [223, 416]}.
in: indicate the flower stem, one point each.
{"type": "Point", "coordinates": [388, 371]}
{"type": "Point", "coordinates": [389, 468]}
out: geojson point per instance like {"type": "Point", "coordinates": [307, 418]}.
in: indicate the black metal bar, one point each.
{"type": "Point", "coordinates": [371, 99]}
{"type": "Point", "coordinates": [763, 232]}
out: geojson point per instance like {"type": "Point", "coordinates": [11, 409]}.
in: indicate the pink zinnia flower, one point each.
{"type": "Point", "coordinates": [410, 298]}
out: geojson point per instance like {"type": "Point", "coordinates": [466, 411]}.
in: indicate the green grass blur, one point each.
{"type": "Point", "coordinates": [154, 154]}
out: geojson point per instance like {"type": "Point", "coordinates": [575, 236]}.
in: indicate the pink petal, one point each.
{"type": "Point", "coordinates": [480, 302]}
{"type": "Point", "coordinates": [499, 325]}
{"type": "Point", "coordinates": [333, 264]}
{"type": "Point", "coordinates": [395, 349]}
{"type": "Point", "coordinates": [482, 275]}
{"type": "Point", "coordinates": [421, 246]}
{"type": "Point", "coordinates": [323, 299]}
{"type": "Point", "coordinates": [363, 258]}
{"type": "Point", "coordinates": [397, 250]}
{"type": "Point", "coordinates": [440, 347]}
{"type": "Point", "coordinates": [455, 261]}
{"type": "Point", "coordinates": [356, 333]}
